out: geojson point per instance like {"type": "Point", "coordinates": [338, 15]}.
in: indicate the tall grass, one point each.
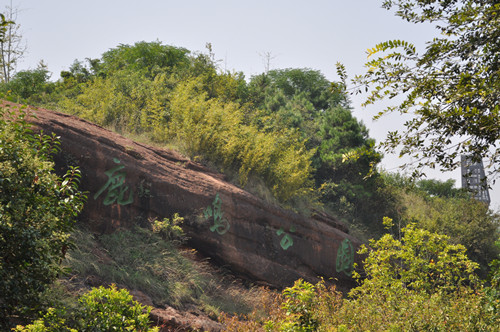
{"type": "Point", "coordinates": [139, 259]}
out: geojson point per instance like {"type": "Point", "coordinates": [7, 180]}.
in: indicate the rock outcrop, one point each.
{"type": "Point", "coordinates": [130, 183]}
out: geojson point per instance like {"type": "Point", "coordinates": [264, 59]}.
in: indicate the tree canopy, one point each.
{"type": "Point", "coordinates": [452, 89]}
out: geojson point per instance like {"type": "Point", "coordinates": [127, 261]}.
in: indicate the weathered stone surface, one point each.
{"type": "Point", "coordinates": [169, 319]}
{"type": "Point", "coordinates": [130, 183]}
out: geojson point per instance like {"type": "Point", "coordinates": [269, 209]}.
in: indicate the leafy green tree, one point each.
{"type": "Point", "coordinates": [303, 100]}
{"type": "Point", "coordinates": [78, 72]}
{"type": "Point", "coordinates": [452, 89]}
{"type": "Point", "coordinates": [440, 188]}
{"type": "Point", "coordinates": [420, 261]}
{"type": "Point", "coordinates": [37, 212]}
{"type": "Point", "coordinates": [344, 155]}
{"type": "Point", "coordinates": [146, 57]}
{"type": "Point", "coordinates": [28, 83]}
{"type": "Point", "coordinates": [420, 282]}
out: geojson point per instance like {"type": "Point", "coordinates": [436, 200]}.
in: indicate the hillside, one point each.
{"type": "Point", "coordinates": [130, 185]}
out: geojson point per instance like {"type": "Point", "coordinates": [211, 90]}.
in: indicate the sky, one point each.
{"type": "Point", "coordinates": [313, 34]}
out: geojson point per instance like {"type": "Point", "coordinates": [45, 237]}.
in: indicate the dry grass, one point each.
{"type": "Point", "coordinates": [140, 260]}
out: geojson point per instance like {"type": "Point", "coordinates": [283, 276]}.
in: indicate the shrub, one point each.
{"type": "Point", "coordinates": [107, 309]}
{"type": "Point", "coordinates": [299, 308]}
{"type": "Point", "coordinates": [170, 229]}
{"type": "Point", "coordinates": [101, 309]}
{"type": "Point", "coordinates": [37, 211]}
{"type": "Point", "coordinates": [418, 283]}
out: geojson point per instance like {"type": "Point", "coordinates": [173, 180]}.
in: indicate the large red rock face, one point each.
{"type": "Point", "coordinates": [129, 183]}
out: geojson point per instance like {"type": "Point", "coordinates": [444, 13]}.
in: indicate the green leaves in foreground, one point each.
{"type": "Point", "coordinates": [419, 282]}
{"type": "Point", "coordinates": [37, 212]}
{"type": "Point", "coordinates": [452, 90]}
{"type": "Point", "coordinates": [420, 262]}
{"type": "Point", "coordinates": [101, 309]}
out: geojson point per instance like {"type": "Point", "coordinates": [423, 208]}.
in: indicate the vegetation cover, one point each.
{"type": "Point", "coordinates": [419, 282]}
{"type": "Point", "coordinates": [37, 212]}
{"type": "Point", "coordinates": [283, 134]}
{"type": "Point", "coordinates": [291, 132]}
{"type": "Point", "coordinates": [451, 90]}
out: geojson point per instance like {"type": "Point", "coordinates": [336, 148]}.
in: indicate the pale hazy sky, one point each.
{"type": "Point", "coordinates": [298, 34]}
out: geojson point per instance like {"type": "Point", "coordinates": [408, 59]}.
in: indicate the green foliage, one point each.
{"type": "Point", "coordinates": [146, 57]}
{"type": "Point", "coordinates": [28, 83]}
{"type": "Point", "coordinates": [298, 304]}
{"type": "Point", "coordinates": [170, 229]}
{"type": "Point", "coordinates": [420, 282]}
{"type": "Point", "coordinates": [305, 101]}
{"type": "Point", "coordinates": [54, 320]}
{"type": "Point", "coordinates": [37, 211]}
{"type": "Point", "coordinates": [420, 262]}
{"type": "Point", "coordinates": [101, 309]}
{"type": "Point", "coordinates": [217, 131]}
{"type": "Point", "coordinates": [107, 309]}
{"type": "Point", "coordinates": [452, 89]}
{"type": "Point", "coordinates": [437, 207]}
{"type": "Point", "coordinates": [439, 188]}
{"type": "Point", "coordinates": [492, 292]}
{"type": "Point", "coordinates": [4, 23]}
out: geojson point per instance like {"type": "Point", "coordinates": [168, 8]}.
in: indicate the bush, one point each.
{"type": "Point", "coordinates": [299, 309]}
{"type": "Point", "coordinates": [420, 282]}
{"type": "Point", "coordinates": [37, 211]}
{"type": "Point", "coordinates": [108, 309]}
{"type": "Point", "coordinates": [170, 229]}
{"type": "Point", "coordinates": [101, 309]}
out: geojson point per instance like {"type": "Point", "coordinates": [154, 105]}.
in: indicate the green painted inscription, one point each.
{"type": "Point", "coordinates": [345, 257]}
{"type": "Point", "coordinates": [221, 224]}
{"type": "Point", "coordinates": [287, 241]}
{"type": "Point", "coordinates": [115, 187]}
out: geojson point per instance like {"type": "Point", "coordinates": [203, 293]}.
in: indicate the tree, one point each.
{"type": "Point", "coordinates": [12, 47]}
{"type": "Point", "coordinates": [452, 89]}
{"type": "Point", "coordinates": [27, 83]}
{"type": "Point", "coordinates": [437, 207]}
{"type": "Point", "coordinates": [142, 56]}
{"type": "Point", "coordinates": [344, 155]}
{"type": "Point", "coordinates": [37, 212]}
{"type": "Point", "coordinates": [4, 23]}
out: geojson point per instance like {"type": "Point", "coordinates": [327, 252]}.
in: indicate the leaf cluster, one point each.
{"type": "Point", "coordinates": [100, 309]}
{"type": "Point", "coordinates": [420, 282]}
{"type": "Point", "coordinates": [437, 206]}
{"type": "Point", "coordinates": [451, 89]}
{"type": "Point", "coordinates": [37, 212]}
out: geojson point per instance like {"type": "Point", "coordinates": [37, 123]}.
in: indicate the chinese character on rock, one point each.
{"type": "Point", "coordinates": [287, 241]}
{"type": "Point", "coordinates": [345, 257]}
{"type": "Point", "coordinates": [221, 225]}
{"type": "Point", "coordinates": [116, 188]}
